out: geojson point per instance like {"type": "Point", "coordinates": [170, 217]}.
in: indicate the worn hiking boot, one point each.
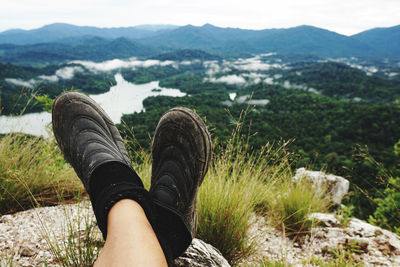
{"type": "Point", "coordinates": [93, 146]}
{"type": "Point", "coordinates": [181, 156]}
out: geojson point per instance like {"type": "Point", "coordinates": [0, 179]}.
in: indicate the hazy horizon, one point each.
{"type": "Point", "coordinates": [344, 17]}
{"type": "Point", "coordinates": [172, 25]}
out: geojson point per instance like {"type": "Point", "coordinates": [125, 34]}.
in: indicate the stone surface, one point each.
{"type": "Point", "coordinates": [201, 254]}
{"type": "Point", "coordinates": [369, 245]}
{"type": "Point", "coordinates": [25, 237]}
{"type": "Point", "coordinates": [337, 186]}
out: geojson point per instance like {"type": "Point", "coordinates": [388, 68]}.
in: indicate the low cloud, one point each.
{"type": "Point", "coordinates": [28, 84]}
{"type": "Point", "coordinates": [351, 62]}
{"type": "Point", "coordinates": [269, 80]}
{"type": "Point", "coordinates": [114, 64]}
{"type": "Point", "coordinates": [288, 85]}
{"type": "Point", "coordinates": [65, 73]}
{"type": "Point", "coordinates": [267, 54]}
{"type": "Point", "coordinates": [255, 64]}
{"type": "Point", "coordinates": [229, 79]}
{"type": "Point", "coordinates": [50, 78]}
{"type": "Point", "coordinates": [246, 99]}
{"type": "Point", "coordinates": [68, 72]}
{"type": "Point", "coordinates": [254, 77]}
{"type": "Point", "coordinates": [212, 67]}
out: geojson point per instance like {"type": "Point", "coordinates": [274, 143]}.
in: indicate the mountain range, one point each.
{"type": "Point", "coordinates": [58, 42]}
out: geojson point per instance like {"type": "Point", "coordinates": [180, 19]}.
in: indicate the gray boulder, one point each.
{"type": "Point", "coordinates": [336, 186]}
{"type": "Point", "coordinates": [201, 254]}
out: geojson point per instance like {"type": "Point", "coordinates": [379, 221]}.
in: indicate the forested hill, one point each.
{"type": "Point", "coordinates": [343, 82]}
{"type": "Point", "coordinates": [186, 54]}
{"type": "Point", "coordinates": [376, 44]}
{"type": "Point", "coordinates": [82, 48]}
{"type": "Point", "coordinates": [58, 31]}
{"type": "Point", "coordinates": [386, 40]}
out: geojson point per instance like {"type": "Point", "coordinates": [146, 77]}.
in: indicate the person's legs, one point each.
{"type": "Point", "coordinates": [140, 228]}
{"type": "Point", "coordinates": [93, 146]}
{"type": "Point", "coordinates": [131, 240]}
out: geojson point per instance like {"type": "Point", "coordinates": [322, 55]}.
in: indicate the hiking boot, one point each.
{"type": "Point", "coordinates": [181, 156]}
{"type": "Point", "coordinates": [93, 146]}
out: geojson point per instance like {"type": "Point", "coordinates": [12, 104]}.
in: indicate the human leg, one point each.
{"type": "Point", "coordinates": [131, 240]}
{"type": "Point", "coordinates": [181, 152]}
{"type": "Point", "coordinates": [93, 146]}
{"type": "Point", "coordinates": [166, 217]}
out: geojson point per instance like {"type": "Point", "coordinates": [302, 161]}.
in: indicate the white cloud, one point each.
{"type": "Point", "coordinates": [289, 85]}
{"type": "Point", "coordinates": [50, 78]}
{"type": "Point", "coordinates": [259, 102]}
{"type": "Point", "coordinates": [267, 54]}
{"type": "Point", "coordinates": [313, 90]}
{"type": "Point", "coordinates": [254, 75]}
{"type": "Point", "coordinates": [65, 73]}
{"type": "Point", "coordinates": [68, 72]}
{"type": "Point", "coordinates": [29, 84]}
{"type": "Point", "coordinates": [186, 62]}
{"type": "Point", "coordinates": [254, 64]}
{"type": "Point", "coordinates": [212, 66]}
{"type": "Point", "coordinates": [269, 80]}
{"type": "Point", "coordinates": [229, 79]}
{"type": "Point", "coordinates": [114, 64]}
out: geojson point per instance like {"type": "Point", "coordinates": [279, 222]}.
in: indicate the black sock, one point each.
{"type": "Point", "coordinates": [112, 182]}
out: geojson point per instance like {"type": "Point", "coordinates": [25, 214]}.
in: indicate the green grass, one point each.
{"type": "Point", "coordinates": [32, 172]}
{"type": "Point", "coordinates": [77, 248]}
{"type": "Point", "coordinates": [238, 186]}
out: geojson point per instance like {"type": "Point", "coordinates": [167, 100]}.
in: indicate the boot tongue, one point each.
{"type": "Point", "coordinates": [166, 191]}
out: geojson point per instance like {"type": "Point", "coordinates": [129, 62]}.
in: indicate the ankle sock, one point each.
{"type": "Point", "coordinates": [112, 182]}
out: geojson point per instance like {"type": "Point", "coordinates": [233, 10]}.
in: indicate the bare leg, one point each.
{"type": "Point", "coordinates": [131, 240]}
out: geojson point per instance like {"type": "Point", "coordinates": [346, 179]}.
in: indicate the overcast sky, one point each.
{"type": "Point", "coordinates": [343, 16]}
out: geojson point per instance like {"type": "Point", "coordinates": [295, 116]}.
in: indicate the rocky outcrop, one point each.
{"type": "Point", "coordinates": [328, 240]}
{"type": "Point", "coordinates": [26, 237]}
{"type": "Point", "coordinates": [201, 254]}
{"type": "Point", "coordinates": [336, 186]}
{"type": "Point", "coordinates": [367, 243]}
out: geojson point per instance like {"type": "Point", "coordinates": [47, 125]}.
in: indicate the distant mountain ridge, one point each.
{"type": "Point", "coordinates": [56, 31]}
{"type": "Point", "coordinates": [84, 48]}
{"type": "Point", "coordinates": [386, 40]}
{"type": "Point", "coordinates": [376, 44]}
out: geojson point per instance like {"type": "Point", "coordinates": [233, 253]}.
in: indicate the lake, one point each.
{"type": "Point", "coordinates": [123, 98]}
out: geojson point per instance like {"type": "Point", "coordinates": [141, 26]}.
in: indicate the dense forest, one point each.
{"type": "Point", "coordinates": [330, 130]}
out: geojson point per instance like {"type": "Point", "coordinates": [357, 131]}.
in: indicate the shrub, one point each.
{"type": "Point", "coordinates": [236, 185]}
{"type": "Point", "coordinates": [387, 213]}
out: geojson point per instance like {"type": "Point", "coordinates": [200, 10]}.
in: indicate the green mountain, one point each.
{"type": "Point", "coordinates": [148, 40]}
{"type": "Point", "coordinates": [186, 54]}
{"type": "Point", "coordinates": [86, 48]}
{"type": "Point", "coordinates": [311, 40]}
{"type": "Point", "coordinates": [301, 40]}
{"type": "Point", "coordinates": [385, 40]}
{"type": "Point", "coordinates": [56, 31]}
